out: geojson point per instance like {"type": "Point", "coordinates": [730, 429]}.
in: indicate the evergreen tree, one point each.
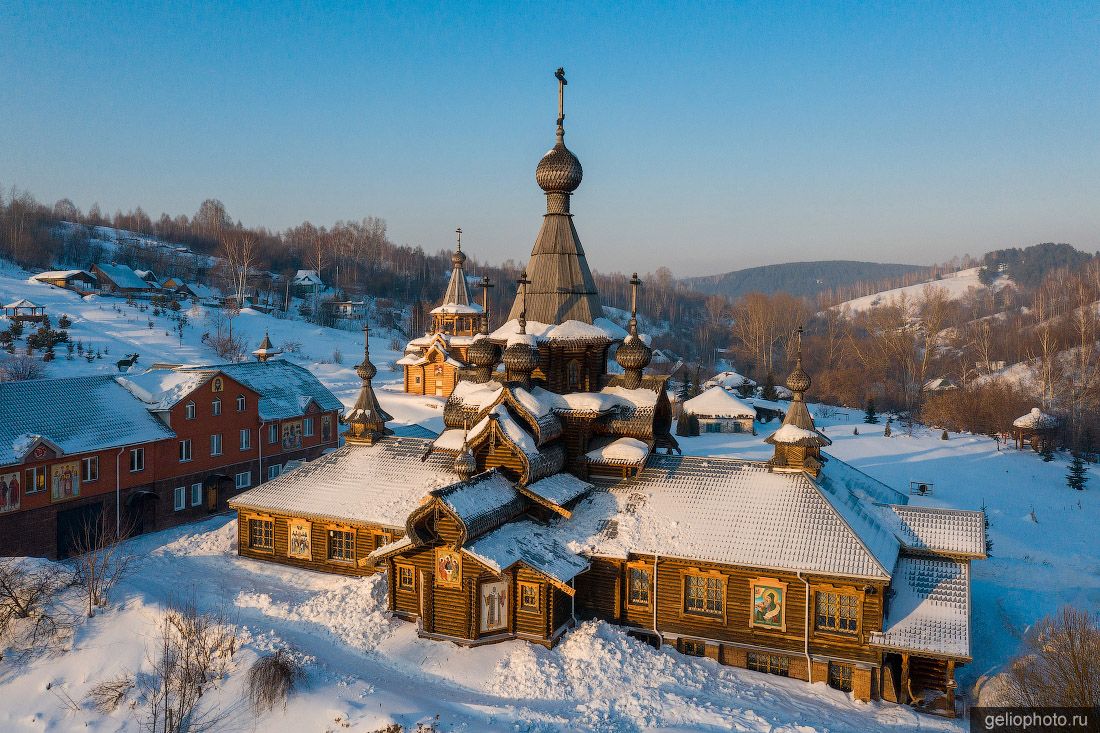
{"type": "Point", "coordinates": [944, 435]}
{"type": "Point", "coordinates": [1046, 452]}
{"type": "Point", "coordinates": [887, 432]}
{"type": "Point", "coordinates": [746, 389]}
{"type": "Point", "coordinates": [697, 384]}
{"type": "Point", "coordinates": [855, 431]}
{"type": "Point", "coordinates": [870, 415]}
{"type": "Point", "coordinates": [988, 539]}
{"type": "Point", "coordinates": [1078, 474]}
{"type": "Point", "coordinates": [769, 392]}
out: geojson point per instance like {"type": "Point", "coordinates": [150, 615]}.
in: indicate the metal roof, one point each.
{"type": "Point", "coordinates": [949, 531]}
{"type": "Point", "coordinates": [930, 609]}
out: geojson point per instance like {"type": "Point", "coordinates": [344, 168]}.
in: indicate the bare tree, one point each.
{"type": "Point", "coordinates": [28, 613]}
{"type": "Point", "coordinates": [240, 250]}
{"type": "Point", "coordinates": [101, 559]}
{"type": "Point", "coordinates": [1060, 666]}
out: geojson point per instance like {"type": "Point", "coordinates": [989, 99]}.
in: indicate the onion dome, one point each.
{"type": "Point", "coordinates": [521, 357]}
{"type": "Point", "coordinates": [465, 464]}
{"type": "Point", "coordinates": [559, 171]}
{"type": "Point", "coordinates": [798, 380]}
{"type": "Point", "coordinates": [484, 355]}
{"type": "Point", "coordinates": [633, 354]}
{"type": "Point", "coordinates": [458, 259]}
{"type": "Point", "coordinates": [366, 369]}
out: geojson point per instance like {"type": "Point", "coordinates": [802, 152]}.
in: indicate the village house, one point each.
{"type": "Point", "coordinates": [556, 493]}
{"type": "Point", "coordinates": [119, 279]}
{"type": "Point", "coordinates": [149, 450]}
{"type": "Point", "coordinates": [718, 411]}
{"type": "Point", "coordinates": [80, 281]}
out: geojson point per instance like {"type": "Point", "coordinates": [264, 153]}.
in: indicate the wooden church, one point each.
{"type": "Point", "coordinates": [557, 493]}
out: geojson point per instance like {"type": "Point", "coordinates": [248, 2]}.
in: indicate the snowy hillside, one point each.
{"type": "Point", "coordinates": [957, 284]}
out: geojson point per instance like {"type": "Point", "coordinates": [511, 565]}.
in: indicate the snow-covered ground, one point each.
{"type": "Point", "coordinates": [956, 284]}
{"type": "Point", "coordinates": [365, 670]}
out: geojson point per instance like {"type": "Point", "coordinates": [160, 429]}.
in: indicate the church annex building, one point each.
{"type": "Point", "coordinates": [557, 492]}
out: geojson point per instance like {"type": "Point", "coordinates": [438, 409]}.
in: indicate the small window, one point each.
{"type": "Point", "coordinates": [273, 433]}
{"type": "Point", "coordinates": [189, 410]}
{"type": "Point", "coordinates": [307, 427]}
{"type": "Point", "coordinates": [770, 663]}
{"type": "Point", "coordinates": [137, 460]}
{"type": "Point", "coordinates": [380, 539]}
{"type": "Point", "coordinates": [693, 647]}
{"type": "Point", "coordinates": [529, 600]}
{"type": "Point", "coordinates": [216, 444]}
{"type": "Point", "coordinates": [246, 439]}
{"type": "Point", "coordinates": [840, 676]}
{"type": "Point", "coordinates": [196, 494]}
{"type": "Point", "coordinates": [216, 407]}
{"type": "Point", "coordinates": [837, 612]}
{"type": "Point", "coordinates": [243, 480]}
{"type": "Point", "coordinates": [704, 595]}
{"type": "Point", "coordinates": [89, 469]}
{"type": "Point", "coordinates": [180, 498]}
{"type": "Point", "coordinates": [217, 385]}
{"type": "Point", "coordinates": [274, 471]}
{"type": "Point", "coordinates": [341, 545]}
{"type": "Point", "coordinates": [639, 585]}
{"type": "Point", "coordinates": [416, 379]}
{"type": "Point", "coordinates": [406, 577]}
{"type": "Point", "coordinates": [261, 534]}
{"type": "Point", "coordinates": [240, 403]}
{"type": "Point", "coordinates": [185, 450]}
{"type": "Point", "coordinates": [36, 480]}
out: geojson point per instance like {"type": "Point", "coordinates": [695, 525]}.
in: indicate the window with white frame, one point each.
{"type": "Point", "coordinates": [137, 460]}
{"type": "Point", "coordinates": [216, 407]}
{"type": "Point", "coordinates": [274, 471]}
{"type": "Point", "coordinates": [273, 433]}
{"type": "Point", "coordinates": [189, 410]}
{"type": "Point", "coordinates": [307, 427]}
{"type": "Point", "coordinates": [216, 444]}
{"type": "Point", "coordinates": [240, 403]}
{"type": "Point", "coordinates": [243, 480]}
{"type": "Point", "coordinates": [180, 496]}
{"type": "Point", "coordinates": [185, 450]}
{"type": "Point", "coordinates": [36, 480]}
{"type": "Point", "coordinates": [89, 469]}
{"type": "Point", "coordinates": [196, 494]}
{"type": "Point", "coordinates": [246, 439]}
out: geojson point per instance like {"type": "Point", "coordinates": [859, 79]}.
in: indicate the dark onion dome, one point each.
{"type": "Point", "coordinates": [465, 464]}
{"type": "Point", "coordinates": [521, 356]}
{"type": "Point", "coordinates": [798, 380]}
{"type": "Point", "coordinates": [633, 355]}
{"type": "Point", "coordinates": [365, 369]}
{"type": "Point", "coordinates": [458, 258]}
{"type": "Point", "coordinates": [559, 171]}
{"type": "Point", "coordinates": [483, 353]}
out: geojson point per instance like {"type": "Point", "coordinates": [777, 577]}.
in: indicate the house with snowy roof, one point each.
{"type": "Point", "coordinates": [718, 411]}
{"type": "Point", "coordinates": [80, 281]}
{"type": "Point", "coordinates": [119, 279]}
{"type": "Point", "coordinates": [556, 492]}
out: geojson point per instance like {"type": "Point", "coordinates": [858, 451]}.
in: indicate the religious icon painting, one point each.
{"type": "Point", "coordinates": [448, 568]}
{"type": "Point", "coordinates": [769, 597]}
{"type": "Point", "coordinates": [494, 606]}
{"type": "Point", "coordinates": [300, 544]}
{"type": "Point", "coordinates": [65, 481]}
{"type": "Point", "coordinates": [9, 492]}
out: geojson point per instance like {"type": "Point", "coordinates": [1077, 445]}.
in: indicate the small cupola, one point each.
{"type": "Point", "coordinates": [798, 442]}
{"type": "Point", "coordinates": [521, 356]}
{"type": "Point", "coordinates": [633, 355]}
{"type": "Point", "coordinates": [366, 420]}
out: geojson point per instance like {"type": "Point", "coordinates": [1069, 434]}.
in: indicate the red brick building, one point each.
{"type": "Point", "coordinates": [149, 450]}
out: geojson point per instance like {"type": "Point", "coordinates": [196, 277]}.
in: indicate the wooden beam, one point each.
{"type": "Point", "coordinates": [903, 693]}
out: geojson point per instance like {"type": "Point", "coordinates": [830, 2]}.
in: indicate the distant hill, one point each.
{"type": "Point", "coordinates": [804, 279]}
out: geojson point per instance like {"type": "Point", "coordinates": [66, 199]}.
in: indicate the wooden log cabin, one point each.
{"type": "Point", "coordinates": [557, 493]}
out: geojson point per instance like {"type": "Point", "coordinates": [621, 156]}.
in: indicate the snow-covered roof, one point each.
{"type": "Point", "coordinates": [368, 484]}
{"type": "Point", "coordinates": [123, 276]}
{"type": "Point", "coordinates": [477, 396]}
{"type": "Point", "coordinates": [63, 275]}
{"type": "Point", "coordinates": [285, 389]}
{"type": "Point", "coordinates": [930, 609]}
{"type": "Point", "coordinates": [737, 512]}
{"type": "Point", "coordinates": [76, 414]}
{"type": "Point", "coordinates": [22, 303]}
{"type": "Point", "coordinates": [619, 450]}
{"type": "Point", "coordinates": [160, 389]}
{"type": "Point", "coordinates": [199, 291]}
{"type": "Point", "coordinates": [1036, 420]}
{"type": "Point", "coordinates": [456, 308]}
{"type": "Point", "coordinates": [769, 404]}
{"type": "Point", "coordinates": [717, 402]}
{"type": "Point", "coordinates": [567, 331]}
{"type": "Point", "coordinates": [531, 543]}
{"type": "Point", "coordinates": [839, 476]}
{"type": "Point", "coordinates": [789, 434]}
{"type": "Point", "coordinates": [729, 379]}
{"type": "Point", "coordinates": [307, 277]}
{"type": "Point", "coordinates": [482, 502]}
{"type": "Point", "coordinates": [949, 531]}
{"type": "Point", "coordinates": [560, 488]}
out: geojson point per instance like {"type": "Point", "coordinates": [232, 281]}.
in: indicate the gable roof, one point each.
{"type": "Point", "coordinates": [717, 402]}
{"type": "Point", "coordinates": [285, 389]}
{"type": "Point", "coordinates": [368, 484]}
{"type": "Point", "coordinates": [735, 512]}
{"type": "Point", "coordinates": [22, 303]}
{"type": "Point", "coordinates": [930, 609]}
{"type": "Point", "coordinates": [483, 502]}
{"type": "Point", "coordinates": [532, 544]}
{"type": "Point", "coordinates": [77, 414]}
{"type": "Point", "coordinates": [122, 276]}
{"type": "Point", "coordinates": [949, 531]}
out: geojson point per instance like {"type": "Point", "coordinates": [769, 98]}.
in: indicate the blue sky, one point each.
{"type": "Point", "coordinates": [713, 136]}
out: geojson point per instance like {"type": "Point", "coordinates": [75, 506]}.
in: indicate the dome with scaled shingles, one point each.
{"type": "Point", "coordinates": [465, 464]}
{"type": "Point", "coordinates": [633, 354]}
{"type": "Point", "coordinates": [798, 380]}
{"type": "Point", "coordinates": [559, 171]}
{"type": "Point", "coordinates": [483, 353]}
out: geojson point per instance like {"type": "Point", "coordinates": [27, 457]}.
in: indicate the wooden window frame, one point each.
{"type": "Point", "coordinates": [329, 529]}
{"type": "Point", "coordinates": [781, 668]}
{"type": "Point", "coordinates": [708, 575]}
{"type": "Point", "coordinates": [537, 588]}
{"type": "Point", "coordinates": [839, 590]}
{"type": "Point", "coordinates": [399, 582]}
{"type": "Point", "coordinates": [646, 568]}
{"type": "Point", "coordinates": [841, 676]}
{"type": "Point", "coordinates": [307, 427]}
{"type": "Point", "coordinates": [262, 519]}
{"type": "Point", "coordinates": [753, 582]}
{"type": "Point", "coordinates": [692, 647]}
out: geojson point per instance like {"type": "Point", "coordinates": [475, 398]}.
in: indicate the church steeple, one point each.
{"type": "Point", "coordinates": [562, 287]}
{"type": "Point", "coordinates": [457, 291]}
{"type": "Point", "coordinates": [633, 356]}
{"type": "Point", "coordinates": [798, 442]}
{"type": "Point", "coordinates": [366, 420]}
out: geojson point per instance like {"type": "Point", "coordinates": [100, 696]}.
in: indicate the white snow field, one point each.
{"type": "Point", "coordinates": [365, 670]}
{"type": "Point", "coordinates": [956, 284]}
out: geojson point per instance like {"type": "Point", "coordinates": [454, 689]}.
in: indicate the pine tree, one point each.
{"type": "Point", "coordinates": [944, 435]}
{"type": "Point", "coordinates": [887, 432]}
{"type": "Point", "coordinates": [769, 392]}
{"type": "Point", "coordinates": [1047, 451]}
{"type": "Point", "coordinates": [1078, 474]}
{"type": "Point", "coordinates": [870, 415]}
{"type": "Point", "coordinates": [746, 389]}
{"type": "Point", "coordinates": [855, 431]}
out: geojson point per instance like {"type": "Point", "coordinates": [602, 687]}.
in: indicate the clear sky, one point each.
{"type": "Point", "coordinates": [713, 137]}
